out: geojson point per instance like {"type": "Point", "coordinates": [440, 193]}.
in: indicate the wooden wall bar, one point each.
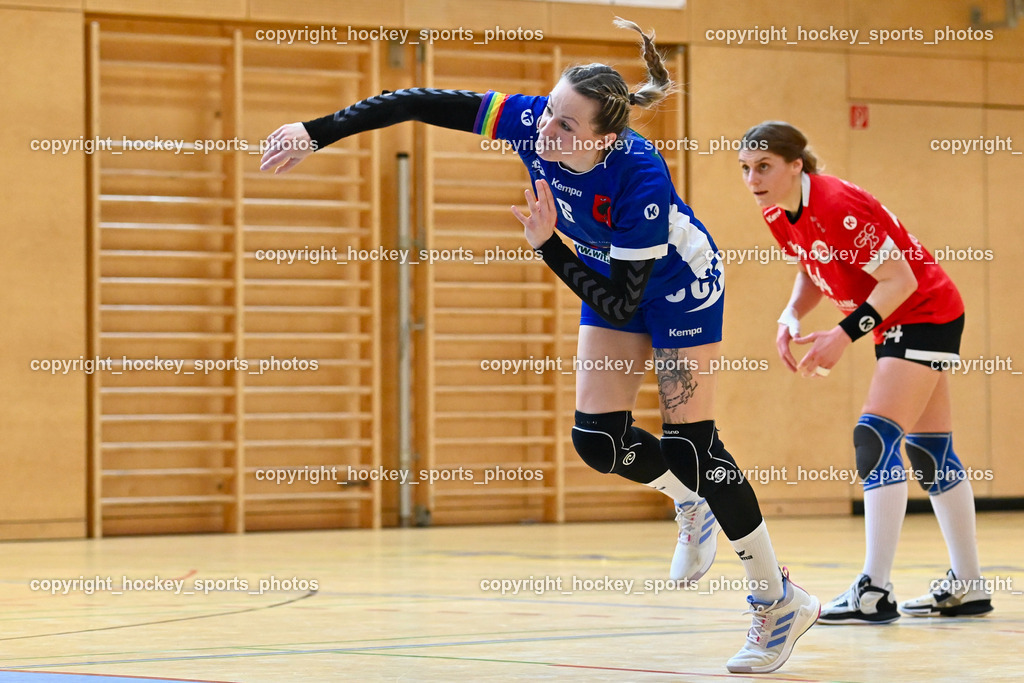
{"type": "Point", "coordinates": [108, 453]}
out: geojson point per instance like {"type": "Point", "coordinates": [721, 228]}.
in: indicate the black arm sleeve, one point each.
{"type": "Point", "coordinates": [454, 109]}
{"type": "Point", "coordinates": [615, 299]}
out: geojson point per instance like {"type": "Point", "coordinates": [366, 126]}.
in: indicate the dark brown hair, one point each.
{"type": "Point", "coordinates": [778, 137]}
{"type": "Point", "coordinates": [605, 85]}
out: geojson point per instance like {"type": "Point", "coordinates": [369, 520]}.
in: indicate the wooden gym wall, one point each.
{"type": "Point", "coordinates": [160, 249]}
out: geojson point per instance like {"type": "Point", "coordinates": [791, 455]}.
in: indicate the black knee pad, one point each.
{"type": "Point", "coordinates": [700, 459]}
{"type": "Point", "coordinates": [610, 444]}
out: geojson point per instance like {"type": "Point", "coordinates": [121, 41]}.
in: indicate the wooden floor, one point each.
{"type": "Point", "coordinates": [408, 604]}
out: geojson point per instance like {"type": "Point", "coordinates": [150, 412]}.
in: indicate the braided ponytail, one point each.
{"type": "Point", "coordinates": [658, 85]}
{"type": "Point", "coordinates": [606, 86]}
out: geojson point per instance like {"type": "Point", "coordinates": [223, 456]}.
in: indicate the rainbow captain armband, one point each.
{"type": "Point", "coordinates": [490, 113]}
{"type": "Point", "coordinates": [861, 321]}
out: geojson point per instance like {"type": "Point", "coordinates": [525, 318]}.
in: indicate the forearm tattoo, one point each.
{"type": "Point", "coordinates": [675, 380]}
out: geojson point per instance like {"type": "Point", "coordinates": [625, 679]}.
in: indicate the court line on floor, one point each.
{"type": "Point", "coordinates": [161, 621]}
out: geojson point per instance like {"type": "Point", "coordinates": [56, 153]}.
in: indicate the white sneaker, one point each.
{"type": "Point", "coordinates": [775, 630]}
{"type": "Point", "coordinates": [952, 597]}
{"type": "Point", "coordinates": [697, 542]}
{"type": "Point", "coordinates": [862, 603]}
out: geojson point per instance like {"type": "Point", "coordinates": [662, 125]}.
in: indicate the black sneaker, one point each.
{"type": "Point", "coordinates": [951, 597]}
{"type": "Point", "coordinates": [861, 604]}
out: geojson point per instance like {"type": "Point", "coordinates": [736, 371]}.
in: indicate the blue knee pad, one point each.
{"type": "Point", "coordinates": [877, 443]}
{"type": "Point", "coordinates": [935, 464]}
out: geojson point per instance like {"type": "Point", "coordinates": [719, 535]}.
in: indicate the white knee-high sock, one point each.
{"type": "Point", "coordinates": [954, 509]}
{"type": "Point", "coordinates": [760, 564]}
{"type": "Point", "coordinates": [884, 510]}
{"type": "Point", "coordinates": [670, 485]}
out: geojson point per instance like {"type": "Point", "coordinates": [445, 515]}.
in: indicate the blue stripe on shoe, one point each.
{"type": "Point", "coordinates": [786, 618]}
{"type": "Point", "coordinates": [777, 641]}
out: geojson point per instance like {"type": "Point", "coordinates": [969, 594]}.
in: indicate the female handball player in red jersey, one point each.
{"type": "Point", "coordinates": [857, 253]}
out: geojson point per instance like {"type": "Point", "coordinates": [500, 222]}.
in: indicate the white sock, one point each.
{"type": "Point", "coordinates": [955, 511]}
{"type": "Point", "coordinates": [760, 564]}
{"type": "Point", "coordinates": [884, 510]}
{"type": "Point", "coordinates": [670, 485]}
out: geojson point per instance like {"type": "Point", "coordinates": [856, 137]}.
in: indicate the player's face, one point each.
{"type": "Point", "coordinates": [565, 132]}
{"type": "Point", "coordinates": [772, 180]}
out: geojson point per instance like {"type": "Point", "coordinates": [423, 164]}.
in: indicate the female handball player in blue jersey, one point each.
{"type": "Point", "coordinates": [857, 253]}
{"type": "Point", "coordinates": [644, 268]}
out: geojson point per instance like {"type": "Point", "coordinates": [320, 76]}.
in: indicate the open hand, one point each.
{"type": "Point", "coordinates": [540, 224]}
{"type": "Point", "coordinates": [286, 147]}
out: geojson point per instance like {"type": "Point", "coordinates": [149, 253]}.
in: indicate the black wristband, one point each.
{"type": "Point", "coordinates": [861, 321]}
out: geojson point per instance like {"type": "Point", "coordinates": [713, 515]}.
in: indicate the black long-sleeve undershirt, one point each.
{"type": "Point", "coordinates": [456, 109]}
{"type": "Point", "coordinates": [614, 298]}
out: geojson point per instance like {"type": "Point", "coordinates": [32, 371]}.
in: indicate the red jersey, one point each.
{"type": "Point", "coordinates": [843, 235]}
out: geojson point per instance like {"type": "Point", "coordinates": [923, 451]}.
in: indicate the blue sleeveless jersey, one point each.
{"type": "Point", "coordinates": [625, 207]}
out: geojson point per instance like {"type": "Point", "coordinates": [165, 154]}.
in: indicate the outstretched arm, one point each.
{"type": "Point", "coordinates": [293, 142]}
{"type": "Point", "coordinates": [614, 298]}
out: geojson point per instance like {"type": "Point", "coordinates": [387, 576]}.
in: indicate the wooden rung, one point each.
{"type": "Point", "coordinates": [167, 417]}
{"type": "Point", "coordinates": [291, 177]}
{"type": "Point", "coordinates": [475, 184]}
{"type": "Point", "coordinates": [519, 415]}
{"type": "Point", "coordinates": [516, 57]}
{"type": "Point", "coordinates": [491, 490]}
{"type": "Point", "coordinates": [307, 203]}
{"type": "Point", "coordinates": [155, 173]}
{"type": "Point", "coordinates": [342, 494]}
{"type": "Point", "coordinates": [602, 490]}
{"type": "Point", "coordinates": [481, 155]}
{"type": "Point", "coordinates": [333, 74]}
{"type": "Point", "coordinates": [339, 310]}
{"type": "Point", "coordinates": [305, 282]}
{"type": "Point", "coordinates": [169, 281]}
{"type": "Point", "coordinates": [166, 199]}
{"type": "Point", "coordinates": [523, 312]}
{"type": "Point", "coordinates": [310, 336]}
{"type": "Point", "coordinates": [214, 498]}
{"type": "Point", "coordinates": [162, 254]}
{"type": "Point", "coordinates": [169, 336]}
{"type": "Point", "coordinates": [500, 285]}
{"type": "Point", "coordinates": [347, 363]}
{"type": "Point", "coordinates": [504, 466]}
{"type": "Point", "coordinates": [360, 391]}
{"type": "Point", "coordinates": [167, 445]}
{"type": "Point", "coordinates": [308, 443]}
{"type": "Point", "coordinates": [167, 308]}
{"type": "Point", "coordinates": [161, 66]}
{"type": "Point", "coordinates": [172, 472]}
{"type": "Point", "coordinates": [494, 237]}
{"type": "Point", "coordinates": [494, 389]}
{"type": "Point", "coordinates": [476, 208]}
{"type": "Point", "coordinates": [306, 229]}
{"type": "Point", "coordinates": [517, 338]}
{"type": "Point", "coordinates": [171, 391]}
{"type": "Point", "coordinates": [349, 49]}
{"type": "Point", "coordinates": [287, 417]}
{"type": "Point", "coordinates": [495, 441]}
{"type": "Point", "coordinates": [166, 38]}
{"type": "Point", "coordinates": [336, 150]}
{"type": "Point", "coordinates": [174, 227]}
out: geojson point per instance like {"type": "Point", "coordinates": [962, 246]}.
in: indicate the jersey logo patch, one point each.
{"type": "Point", "coordinates": [651, 212]}
{"type": "Point", "coordinates": [526, 117]}
{"type": "Point", "coordinates": [603, 209]}
{"type": "Point", "coordinates": [850, 223]}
